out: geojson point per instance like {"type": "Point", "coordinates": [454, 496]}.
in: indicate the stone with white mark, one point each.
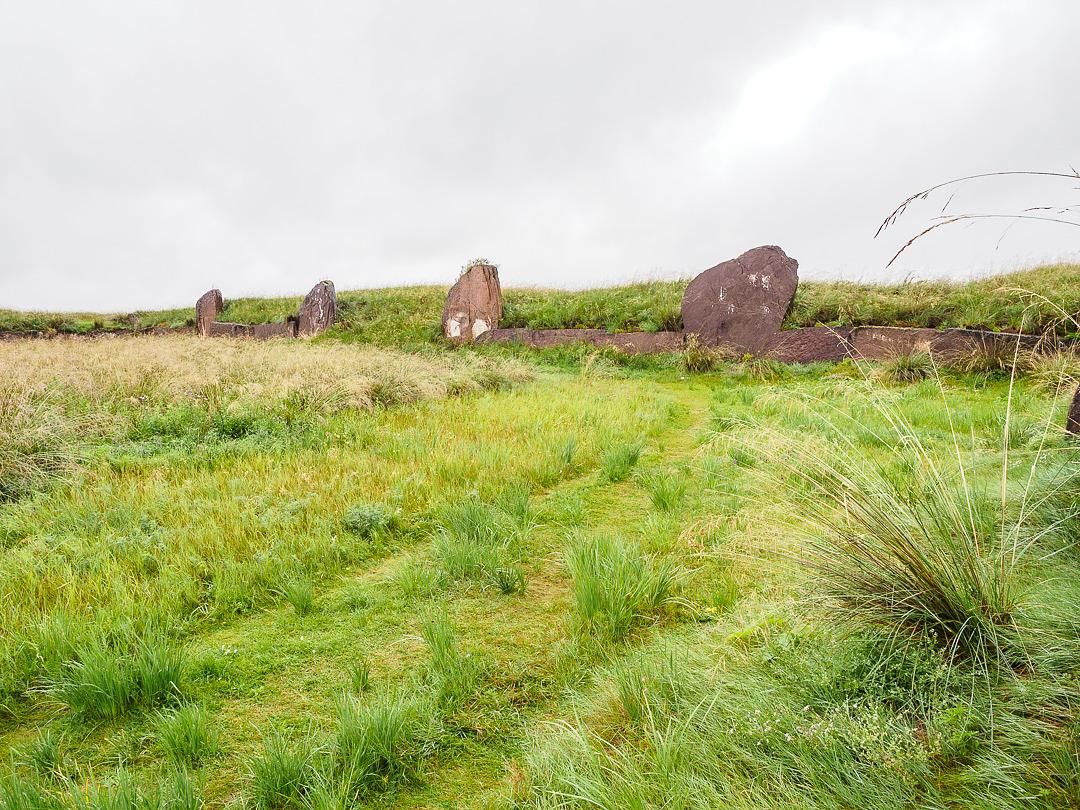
{"type": "Point", "coordinates": [474, 304]}
{"type": "Point", "coordinates": [741, 303]}
{"type": "Point", "coordinates": [318, 311]}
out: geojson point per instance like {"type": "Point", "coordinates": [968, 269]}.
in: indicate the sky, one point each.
{"type": "Point", "coordinates": [151, 151]}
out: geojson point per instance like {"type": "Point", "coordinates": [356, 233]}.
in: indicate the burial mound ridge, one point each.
{"type": "Point", "coordinates": [736, 308]}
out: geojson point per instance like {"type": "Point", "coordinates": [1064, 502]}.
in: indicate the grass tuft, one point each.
{"type": "Point", "coordinates": [618, 462]}
{"type": "Point", "coordinates": [186, 735]}
{"type": "Point", "coordinates": [616, 588]}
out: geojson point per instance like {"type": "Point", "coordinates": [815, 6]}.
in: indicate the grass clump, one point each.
{"type": "Point", "coordinates": [618, 462]}
{"type": "Point", "coordinates": [666, 491]}
{"type": "Point", "coordinates": [615, 587]}
{"type": "Point", "coordinates": [379, 741]}
{"type": "Point", "coordinates": [481, 541]}
{"type": "Point", "coordinates": [907, 368]}
{"type": "Point", "coordinates": [100, 684]}
{"type": "Point", "coordinates": [37, 442]}
{"type": "Point", "coordinates": [300, 593]}
{"type": "Point", "coordinates": [697, 358]}
{"type": "Point", "coordinates": [186, 735]}
{"type": "Point", "coordinates": [282, 774]}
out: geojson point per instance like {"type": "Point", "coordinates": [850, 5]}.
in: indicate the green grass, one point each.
{"type": "Point", "coordinates": [536, 582]}
{"type": "Point", "coordinates": [409, 317]}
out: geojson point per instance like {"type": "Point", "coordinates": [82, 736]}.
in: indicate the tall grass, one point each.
{"type": "Point", "coordinates": [37, 441]}
{"type": "Point", "coordinates": [615, 587]}
{"type": "Point", "coordinates": [924, 545]}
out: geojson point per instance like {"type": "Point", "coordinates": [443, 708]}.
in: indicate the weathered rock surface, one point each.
{"type": "Point", "coordinates": [629, 342]}
{"type": "Point", "coordinates": [741, 303]}
{"type": "Point", "coordinates": [318, 311]}
{"type": "Point", "coordinates": [207, 309]}
{"type": "Point", "coordinates": [474, 304]}
{"type": "Point", "coordinates": [1072, 421]}
{"type": "Point", "coordinates": [226, 329]}
{"type": "Point", "coordinates": [265, 331]}
{"type": "Point", "coordinates": [885, 342]}
{"type": "Point", "coordinates": [812, 344]}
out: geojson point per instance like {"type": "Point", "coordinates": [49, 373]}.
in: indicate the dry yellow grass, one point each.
{"type": "Point", "coordinates": [177, 368]}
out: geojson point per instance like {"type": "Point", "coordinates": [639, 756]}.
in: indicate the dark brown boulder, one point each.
{"type": "Point", "coordinates": [207, 310]}
{"type": "Point", "coordinates": [1072, 421]}
{"type": "Point", "coordinates": [318, 311]}
{"type": "Point", "coordinates": [474, 304]}
{"type": "Point", "coordinates": [741, 303]}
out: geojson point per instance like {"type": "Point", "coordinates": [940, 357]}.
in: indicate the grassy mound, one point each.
{"type": "Point", "coordinates": [409, 317]}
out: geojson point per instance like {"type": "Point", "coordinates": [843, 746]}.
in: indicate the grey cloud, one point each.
{"type": "Point", "coordinates": [152, 150]}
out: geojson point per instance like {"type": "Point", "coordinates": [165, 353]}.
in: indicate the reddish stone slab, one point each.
{"type": "Point", "coordinates": [813, 344]}
{"type": "Point", "coordinates": [207, 309]}
{"type": "Point", "coordinates": [630, 342]}
{"type": "Point", "coordinates": [318, 311]}
{"type": "Point", "coordinates": [474, 304]}
{"type": "Point", "coordinates": [741, 303]}
{"type": "Point", "coordinates": [225, 329]}
{"type": "Point", "coordinates": [885, 342]}
{"type": "Point", "coordinates": [265, 331]}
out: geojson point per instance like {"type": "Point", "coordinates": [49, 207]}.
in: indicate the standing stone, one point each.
{"type": "Point", "coordinates": [474, 304]}
{"type": "Point", "coordinates": [741, 303]}
{"type": "Point", "coordinates": [318, 311]}
{"type": "Point", "coordinates": [1072, 421]}
{"type": "Point", "coordinates": [207, 310]}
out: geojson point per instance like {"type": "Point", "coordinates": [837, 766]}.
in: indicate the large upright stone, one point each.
{"type": "Point", "coordinates": [741, 303]}
{"type": "Point", "coordinates": [1072, 421]}
{"type": "Point", "coordinates": [207, 310]}
{"type": "Point", "coordinates": [474, 304]}
{"type": "Point", "coordinates": [318, 311]}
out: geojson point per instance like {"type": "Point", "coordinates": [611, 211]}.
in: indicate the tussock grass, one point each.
{"type": "Point", "coordinates": [619, 461]}
{"type": "Point", "coordinates": [186, 735]}
{"type": "Point", "coordinates": [37, 442]}
{"type": "Point", "coordinates": [616, 588]}
{"type": "Point", "coordinates": [907, 368]}
{"type": "Point", "coordinates": [282, 774]}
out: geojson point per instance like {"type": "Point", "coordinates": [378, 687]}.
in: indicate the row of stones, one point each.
{"type": "Point", "coordinates": [317, 313]}
{"type": "Point", "coordinates": [737, 306]}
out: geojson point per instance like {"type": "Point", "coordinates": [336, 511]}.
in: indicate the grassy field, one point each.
{"type": "Point", "coordinates": [1032, 300]}
{"type": "Point", "coordinates": [318, 575]}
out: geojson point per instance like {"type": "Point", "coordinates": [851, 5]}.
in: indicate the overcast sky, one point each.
{"type": "Point", "coordinates": [151, 150]}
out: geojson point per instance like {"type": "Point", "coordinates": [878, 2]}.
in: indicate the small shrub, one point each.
{"type": "Point", "coordinates": [907, 368]}
{"type": "Point", "coordinates": [282, 775]}
{"type": "Point", "coordinates": [367, 519]}
{"type": "Point", "coordinates": [186, 735]}
{"type": "Point", "coordinates": [618, 462]}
